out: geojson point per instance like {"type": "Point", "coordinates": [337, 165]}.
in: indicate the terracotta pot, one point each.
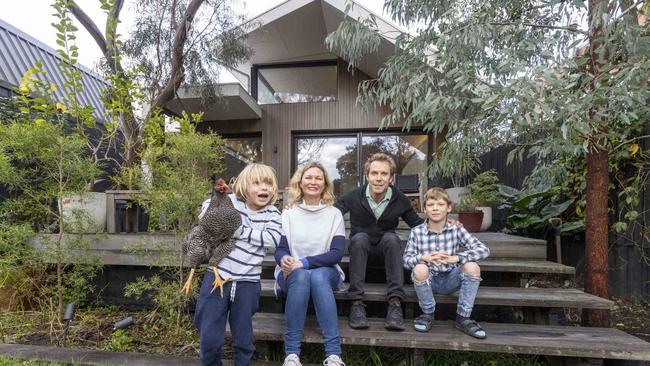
{"type": "Point", "coordinates": [471, 220]}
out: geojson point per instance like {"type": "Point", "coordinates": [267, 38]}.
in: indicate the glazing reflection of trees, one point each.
{"type": "Point", "coordinates": [309, 150]}
{"type": "Point", "coordinates": [396, 147]}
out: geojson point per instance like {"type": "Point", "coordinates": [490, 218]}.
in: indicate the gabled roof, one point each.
{"type": "Point", "coordinates": [19, 52]}
{"type": "Point", "coordinates": [295, 30]}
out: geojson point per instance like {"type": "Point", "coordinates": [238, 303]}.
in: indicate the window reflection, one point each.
{"type": "Point", "coordinates": [337, 154]}
{"type": "Point", "coordinates": [409, 153]}
{"type": "Point", "coordinates": [240, 152]}
{"type": "Point", "coordinates": [296, 84]}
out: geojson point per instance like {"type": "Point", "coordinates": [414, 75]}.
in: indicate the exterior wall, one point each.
{"type": "Point", "coordinates": [280, 120]}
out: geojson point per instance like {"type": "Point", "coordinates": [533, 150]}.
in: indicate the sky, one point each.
{"type": "Point", "coordinates": [34, 17]}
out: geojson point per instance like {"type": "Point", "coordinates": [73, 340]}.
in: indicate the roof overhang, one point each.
{"type": "Point", "coordinates": [296, 29]}
{"type": "Point", "coordinates": [233, 103]}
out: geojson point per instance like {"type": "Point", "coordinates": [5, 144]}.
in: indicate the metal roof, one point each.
{"type": "Point", "coordinates": [19, 52]}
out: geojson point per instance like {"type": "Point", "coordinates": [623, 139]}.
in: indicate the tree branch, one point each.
{"type": "Point", "coordinates": [177, 70]}
{"type": "Point", "coordinates": [111, 33]}
{"type": "Point", "coordinates": [630, 8]}
{"type": "Point", "coordinates": [570, 28]}
{"type": "Point", "coordinates": [88, 23]}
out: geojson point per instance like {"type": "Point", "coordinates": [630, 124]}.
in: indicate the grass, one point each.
{"type": "Point", "coordinates": [14, 362]}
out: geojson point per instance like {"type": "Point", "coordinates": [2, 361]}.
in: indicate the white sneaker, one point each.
{"type": "Point", "coordinates": [293, 360]}
{"type": "Point", "coordinates": [333, 360]}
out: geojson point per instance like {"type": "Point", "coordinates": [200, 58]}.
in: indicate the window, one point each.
{"type": "Point", "coordinates": [241, 151]}
{"type": "Point", "coordinates": [5, 92]}
{"type": "Point", "coordinates": [295, 83]}
{"type": "Point", "coordinates": [344, 162]}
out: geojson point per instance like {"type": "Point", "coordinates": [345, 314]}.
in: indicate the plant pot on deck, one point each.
{"type": "Point", "coordinates": [85, 213]}
{"type": "Point", "coordinates": [471, 220]}
{"type": "Point", "coordinates": [487, 217]}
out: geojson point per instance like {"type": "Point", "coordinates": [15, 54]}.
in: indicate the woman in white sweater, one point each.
{"type": "Point", "coordinates": [308, 257]}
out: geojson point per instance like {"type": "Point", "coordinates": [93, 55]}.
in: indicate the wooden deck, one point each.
{"type": "Point", "coordinates": [504, 338]}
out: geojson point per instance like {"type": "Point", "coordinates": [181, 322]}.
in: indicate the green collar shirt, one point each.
{"type": "Point", "coordinates": [378, 208]}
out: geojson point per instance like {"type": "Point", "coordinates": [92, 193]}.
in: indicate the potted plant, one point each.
{"type": "Point", "coordinates": [468, 214]}
{"type": "Point", "coordinates": [483, 193]}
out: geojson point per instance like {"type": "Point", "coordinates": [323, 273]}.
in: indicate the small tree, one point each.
{"type": "Point", "coordinates": [180, 165]}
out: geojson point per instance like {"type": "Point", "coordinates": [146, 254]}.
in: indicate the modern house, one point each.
{"type": "Point", "coordinates": [296, 101]}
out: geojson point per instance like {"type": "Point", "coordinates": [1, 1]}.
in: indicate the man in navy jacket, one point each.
{"type": "Point", "coordinates": [375, 209]}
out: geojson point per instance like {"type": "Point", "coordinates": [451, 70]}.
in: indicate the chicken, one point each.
{"type": "Point", "coordinates": [212, 239]}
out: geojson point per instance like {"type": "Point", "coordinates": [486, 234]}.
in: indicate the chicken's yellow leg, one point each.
{"type": "Point", "coordinates": [187, 287]}
{"type": "Point", "coordinates": [218, 282]}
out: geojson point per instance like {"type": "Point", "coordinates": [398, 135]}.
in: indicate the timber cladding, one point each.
{"type": "Point", "coordinates": [280, 121]}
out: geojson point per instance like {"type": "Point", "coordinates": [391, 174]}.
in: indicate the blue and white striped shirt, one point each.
{"type": "Point", "coordinates": [451, 240]}
{"type": "Point", "coordinates": [259, 229]}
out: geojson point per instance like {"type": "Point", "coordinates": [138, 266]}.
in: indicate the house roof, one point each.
{"type": "Point", "coordinates": [295, 30]}
{"type": "Point", "coordinates": [19, 52]}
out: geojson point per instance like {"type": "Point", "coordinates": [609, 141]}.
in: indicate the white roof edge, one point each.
{"type": "Point", "coordinates": [384, 24]}
{"type": "Point", "coordinates": [289, 6]}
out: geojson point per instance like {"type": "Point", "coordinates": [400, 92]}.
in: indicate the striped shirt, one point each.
{"type": "Point", "coordinates": [453, 240]}
{"type": "Point", "coordinates": [259, 229]}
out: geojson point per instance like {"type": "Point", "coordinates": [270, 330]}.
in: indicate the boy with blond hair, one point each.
{"type": "Point", "coordinates": [439, 264]}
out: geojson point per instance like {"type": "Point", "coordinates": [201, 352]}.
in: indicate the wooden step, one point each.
{"type": "Point", "coordinates": [488, 265]}
{"type": "Point", "coordinates": [504, 338]}
{"type": "Point", "coordinates": [158, 249]}
{"type": "Point", "coordinates": [505, 296]}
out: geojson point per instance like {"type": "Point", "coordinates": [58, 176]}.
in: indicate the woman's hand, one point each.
{"type": "Point", "coordinates": [286, 263]}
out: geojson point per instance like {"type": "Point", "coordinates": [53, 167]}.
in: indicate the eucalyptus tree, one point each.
{"type": "Point", "coordinates": [552, 77]}
{"type": "Point", "coordinates": [173, 43]}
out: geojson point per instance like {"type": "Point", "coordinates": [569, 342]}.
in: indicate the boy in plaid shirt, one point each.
{"type": "Point", "coordinates": [440, 266]}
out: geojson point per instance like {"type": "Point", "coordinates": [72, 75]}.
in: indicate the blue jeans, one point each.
{"type": "Point", "coordinates": [299, 285]}
{"type": "Point", "coordinates": [211, 314]}
{"type": "Point", "coordinates": [446, 283]}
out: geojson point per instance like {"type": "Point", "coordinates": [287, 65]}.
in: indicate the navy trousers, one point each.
{"type": "Point", "coordinates": [212, 312]}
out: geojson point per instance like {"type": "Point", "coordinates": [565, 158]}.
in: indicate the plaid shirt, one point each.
{"type": "Point", "coordinates": [450, 241]}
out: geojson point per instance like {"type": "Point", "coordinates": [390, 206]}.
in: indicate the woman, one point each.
{"type": "Point", "coordinates": [308, 257]}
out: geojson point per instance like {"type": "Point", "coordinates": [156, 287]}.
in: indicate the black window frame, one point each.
{"type": "Point", "coordinates": [255, 75]}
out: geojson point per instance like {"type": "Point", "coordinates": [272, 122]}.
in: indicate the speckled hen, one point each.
{"type": "Point", "coordinates": [212, 239]}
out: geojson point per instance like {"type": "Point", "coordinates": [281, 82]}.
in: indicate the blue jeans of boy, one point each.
{"type": "Point", "coordinates": [446, 283]}
{"type": "Point", "coordinates": [299, 286]}
{"type": "Point", "coordinates": [212, 312]}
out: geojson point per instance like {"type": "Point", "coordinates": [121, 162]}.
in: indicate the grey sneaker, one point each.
{"type": "Point", "coordinates": [333, 360]}
{"type": "Point", "coordinates": [357, 318]}
{"type": "Point", "coordinates": [292, 360]}
{"type": "Point", "coordinates": [423, 322]}
{"type": "Point", "coordinates": [394, 317]}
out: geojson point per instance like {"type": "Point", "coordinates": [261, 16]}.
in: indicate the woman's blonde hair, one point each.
{"type": "Point", "coordinates": [295, 193]}
{"type": "Point", "coordinates": [255, 173]}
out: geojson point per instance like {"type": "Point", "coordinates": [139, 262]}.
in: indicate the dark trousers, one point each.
{"type": "Point", "coordinates": [211, 314]}
{"type": "Point", "coordinates": [389, 247]}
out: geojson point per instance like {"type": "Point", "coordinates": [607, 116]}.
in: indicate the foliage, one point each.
{"type": "Point", "coordinates": [121, 341]}
{"type": "Point", "coordinates": [482, 192]}
{"type": "Point", "coordinates": [173, 44]}
{"type": "Point", "coordinates": [178, 167]}
{"type": "Point", "coordinates": [46, 154]}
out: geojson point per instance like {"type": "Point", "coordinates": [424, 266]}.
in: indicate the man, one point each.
{"type": "Point", "coordinates": [375, 209]}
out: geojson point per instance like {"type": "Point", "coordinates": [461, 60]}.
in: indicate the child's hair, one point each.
{"type": "Point", "coordinates": [380, 157]}
{"type": "Point", "coordinates": [296, 194]}
{"type": "Point", "coordinates": [437, 193]}
{"type": "Point", "coordinates": [255, 173]}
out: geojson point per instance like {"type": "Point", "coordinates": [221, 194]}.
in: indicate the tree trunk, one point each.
{"type": "Point", "coordinates": [596, 221]}
{"type": "Point", "coordinates": [596, 246]}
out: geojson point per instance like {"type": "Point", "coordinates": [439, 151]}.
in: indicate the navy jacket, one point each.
{"type": "Point", "coordinates": [362, 219]}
